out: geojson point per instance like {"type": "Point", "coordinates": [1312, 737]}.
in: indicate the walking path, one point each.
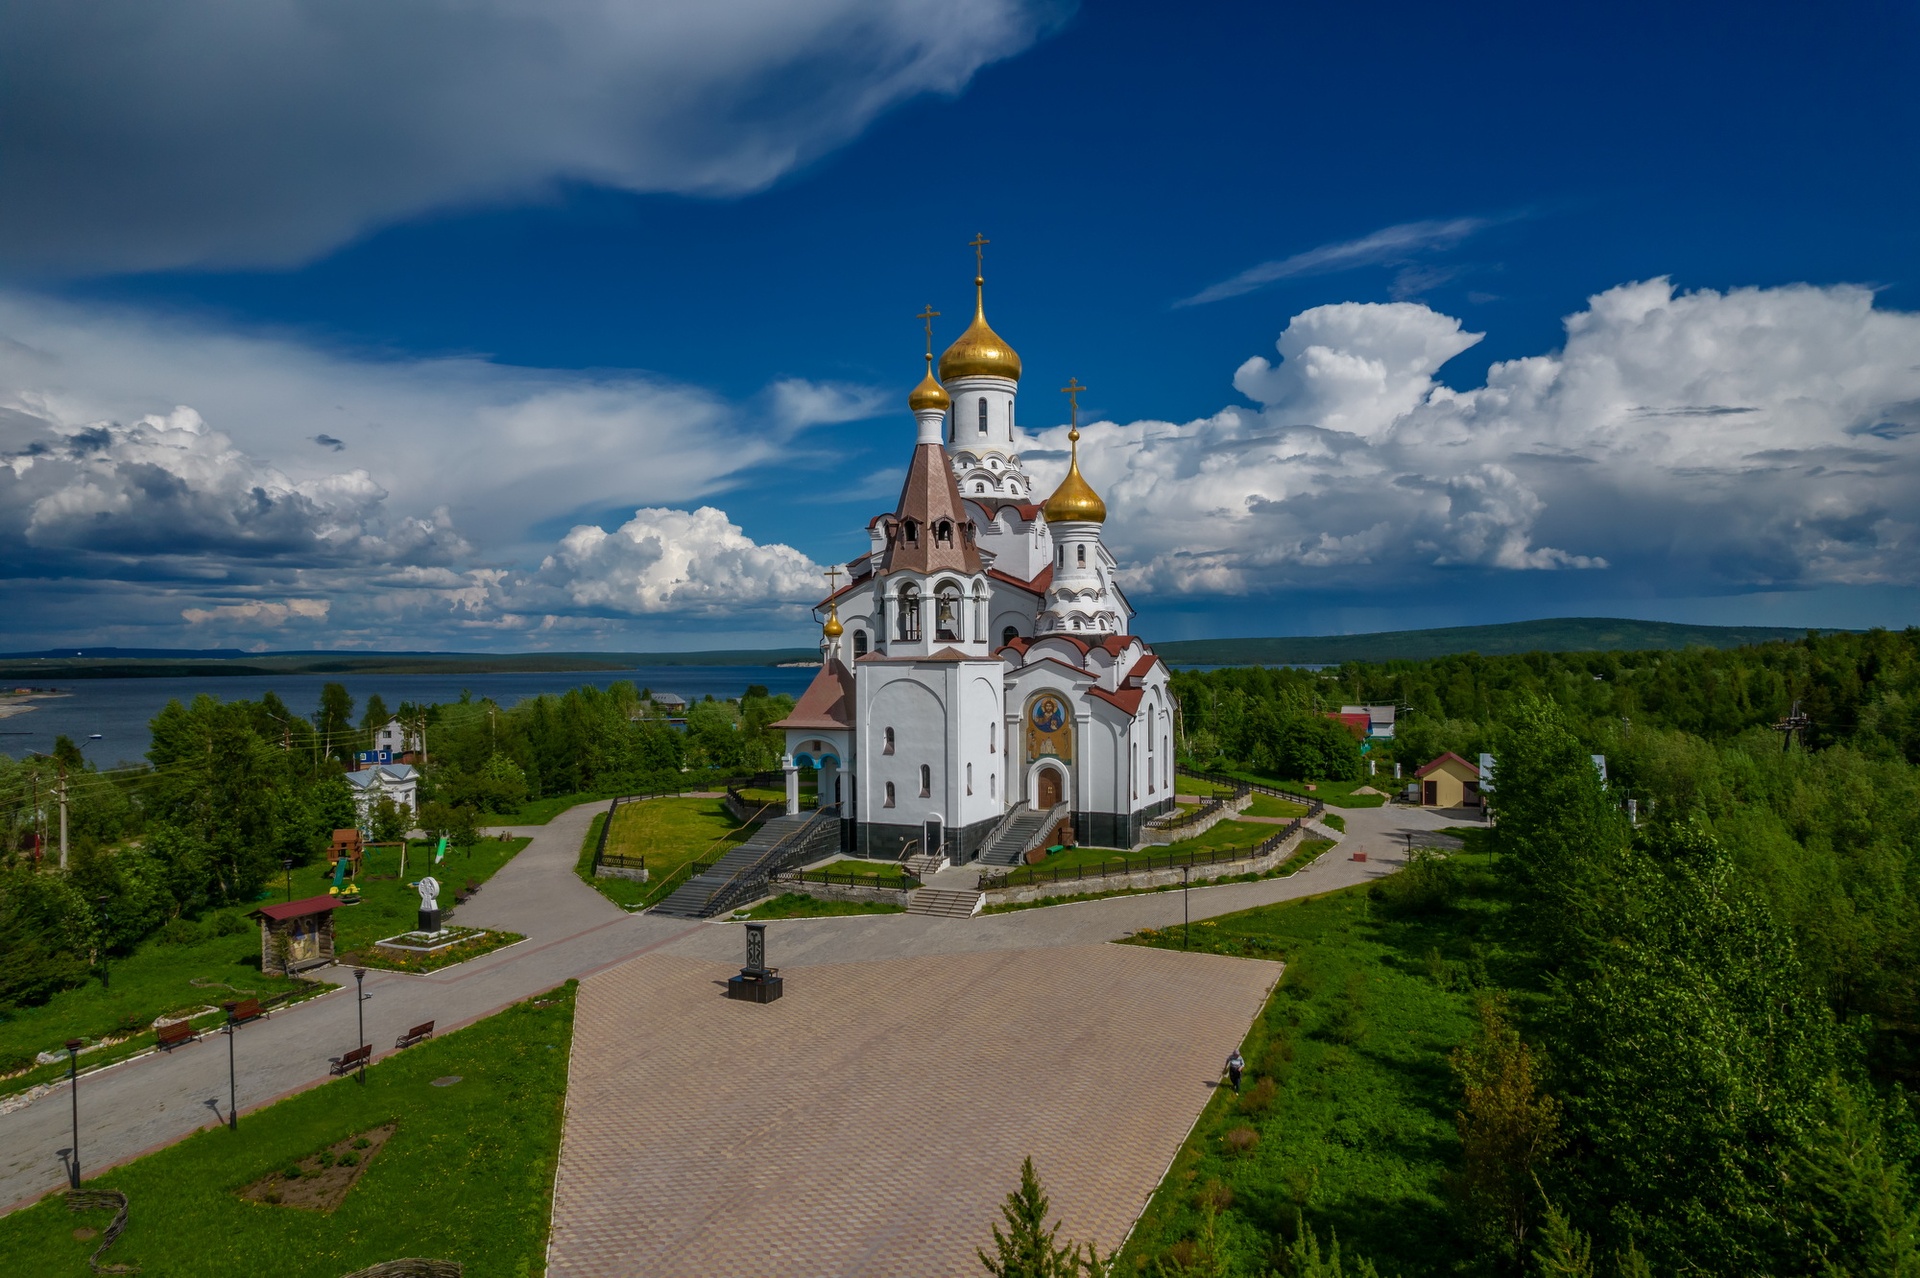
{"type": "Point", "coordinates": [572, 931]}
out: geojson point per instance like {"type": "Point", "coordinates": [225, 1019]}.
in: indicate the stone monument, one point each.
{"type": "Point", "coordinates": [757, 983]}
{"type": "Point", "coordinates": [429, 888]}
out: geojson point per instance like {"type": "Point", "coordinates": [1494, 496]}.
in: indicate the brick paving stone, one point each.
{"type": "Point", "coordinates": [871, 1121]}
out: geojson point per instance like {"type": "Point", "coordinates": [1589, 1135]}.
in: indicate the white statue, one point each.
{"type": "Point", "coordinates": [429, 893]}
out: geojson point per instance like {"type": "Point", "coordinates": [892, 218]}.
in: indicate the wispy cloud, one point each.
{"type": "Point", "coordinates": [1389, 245]}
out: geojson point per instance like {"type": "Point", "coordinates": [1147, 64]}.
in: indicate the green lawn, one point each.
{"type": "Point", "coordinates": [797, 905]}
{"type": "Point", "coordinates": [671, 834]}
{"type": "Point", "coordinates": [541, 811]}
{"type": "Point", "coordinates": [1335, 794]}
{"type": "Point", "coordinates": [156, 980]}
{"type": "Point", "coordinates": [1183, 784]}
{"type": "Point", "coordinates": [1227, 834]}
{"type": "Point", "coordinates": [387, 904]}
{"type": "Point", "coordinates": [467, 1175]}
{"type": "Point", "coordinates": [1264, 805]}
{"type": "Point", "coordinates": [222, 952]}
{"type": "Point", "coordinates": [890, 874]}
{"type": "Point", "coordinates": [1356, 1133]}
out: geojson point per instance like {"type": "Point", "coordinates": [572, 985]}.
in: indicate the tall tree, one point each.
{"type": "Point", "coordinates": [334, 719]}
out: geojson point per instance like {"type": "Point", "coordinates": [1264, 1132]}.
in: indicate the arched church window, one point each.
{"type": "Point", "coordinates": [969, 778]}
{"type": "Point", "coordinates": [993, 785]}
{"type": "Point", "coordinates": [911, 531]}
{"type": "Point", "coordinates": [1081, 554]}
{"type": "Point", "coordinates": [888, 801]}
{"type": "Point", "coordinates": [859, 644]}
{"type": "Point", "coordinates": [983, 414]}
{"type": "Point", "coordinates": [946, 615]}
{"type": "Point", "coordinates": [993, 737]}
{"type": "Point", "coordinates": [1008, 635]}
{"type": "Point", "coordinates": [909, 615]}
{"type": "Point", "coordinates": [1060, 557]}
{"type": "Point", "coordinates": [979, 488]}
{"type": "Point", "coordinates": [926, 781]}
{"type": "Point", "coordinates": [886, 741]}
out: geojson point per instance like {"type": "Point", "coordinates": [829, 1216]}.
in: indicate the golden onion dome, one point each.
{"type": "Point", "coordinates": [1074, 500]}
{"type": "Point", "coordinates": [833, 629]}
{"type": "Point", "coordinates": [929, 393]}
{"type": "Point", "coordinates": [979, 352]}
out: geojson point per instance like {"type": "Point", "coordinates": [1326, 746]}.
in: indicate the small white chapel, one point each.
{"type": "Point", "coordinates": [980, 662]}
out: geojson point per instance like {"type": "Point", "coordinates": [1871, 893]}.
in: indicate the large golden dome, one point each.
{"type": "Point", "coordinates": [1074, 500]}
{"type": "Point", "coordinates": [979, 352]}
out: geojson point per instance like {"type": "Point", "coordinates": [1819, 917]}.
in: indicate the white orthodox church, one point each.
{"type": "Point", "coordinates": [981, 662]}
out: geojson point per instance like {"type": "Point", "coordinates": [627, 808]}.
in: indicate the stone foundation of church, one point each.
{"type": "Point", "coordinates": [877, 841]}
{"type": "Point", "coordinates": [1116, 829]}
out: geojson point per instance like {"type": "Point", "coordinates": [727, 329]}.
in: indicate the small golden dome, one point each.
{"type": "Point", "coordinates": [833, 629]}
{"type": "Point", "coordinates": [1074, 500]}
{"type": "Point", "coordinates": [979, 352]}
{"type": "Point", "coordinates": [929, 393]}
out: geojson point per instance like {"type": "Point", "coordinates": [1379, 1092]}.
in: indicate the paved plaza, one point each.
{"type": "Point", "coordinates": [892, 1093]}
{"type": "Point", "coordinates": [870, 1122]}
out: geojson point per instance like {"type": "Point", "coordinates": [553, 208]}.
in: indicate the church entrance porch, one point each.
{"type": "Point", "coordinates": [1049, 789]}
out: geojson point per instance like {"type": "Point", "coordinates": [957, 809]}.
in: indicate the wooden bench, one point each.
{"type": "Point", "coordinates": [459, 898]}
{"type": "Point", "coordinates": [473, 889]}
{"type": "Point", "coordinates": [356, 1059]}
{"type": "Point", "coordinates": [418, 1034]}
{"type": "Point", "coordinates": [247, 1010]}
{"type": "Point", "coordinates": [168, 1037]}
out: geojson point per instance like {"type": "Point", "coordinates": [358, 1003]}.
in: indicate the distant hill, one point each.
{"type": "Point", "coordinates": [1561, 634]}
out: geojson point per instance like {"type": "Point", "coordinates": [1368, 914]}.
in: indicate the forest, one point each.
{"type": "Point", "coordinates": [233, 790]}
{"type": "Point", "coordinates": [1699, 1032]}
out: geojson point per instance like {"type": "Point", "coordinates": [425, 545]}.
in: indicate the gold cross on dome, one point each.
{"type": "Point", "coordinates": [978, 244]}
{"type": "Point", "coordinates": [1072, 391]}
{"type": "Point", "coordinates": [927, 316]}
{"type": "Point", "coordinates": [833, 579]}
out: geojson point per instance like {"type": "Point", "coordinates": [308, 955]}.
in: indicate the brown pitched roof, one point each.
{"type": "Point", "coordinates": [294, 909]}
{"type": "Point", "coordinates": [1127, 699]}
{"type": "Point", "coordinates": [828, 701]}
{"type": "Point", "coordinates": [1434, 766]}
{"type": "Point", "coordinates": [1038, 585]}
{"type": "Point", "coordinates": [928, 498]}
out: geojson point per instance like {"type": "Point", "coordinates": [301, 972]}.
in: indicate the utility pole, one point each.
{"type": "Point", "coordinates": [62, 791]}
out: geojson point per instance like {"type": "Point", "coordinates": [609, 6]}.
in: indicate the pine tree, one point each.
{"type": "Point", "coordinates": [1305, 1259]}
{"type": "Point", "coordinates": [1507, 1130]}
{"type": "Point", "coordinates": [1564, 1252]}
{"type": "Point", "coordinates": [1027, 1248]}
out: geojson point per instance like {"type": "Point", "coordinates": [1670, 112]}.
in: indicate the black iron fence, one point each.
{"type": "Point", "coordinates": [1122, 864]}
{"type": "Point", "coordinates": [731, 785]}
{"type": "Point", "coordinates": [850, 878]}
{"type": "Point", "coordinates": [1314, 806]}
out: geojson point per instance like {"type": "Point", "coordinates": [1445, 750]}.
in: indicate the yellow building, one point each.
{"type": "Point", "coordinates": [1449, 782]}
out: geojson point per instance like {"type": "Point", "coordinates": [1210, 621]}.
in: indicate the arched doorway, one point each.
{"type": "Point", "coordinates": [1048, 789]}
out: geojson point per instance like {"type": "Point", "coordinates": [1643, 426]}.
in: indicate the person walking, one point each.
{"type": "Point", "coordinates": [1235, 1066]}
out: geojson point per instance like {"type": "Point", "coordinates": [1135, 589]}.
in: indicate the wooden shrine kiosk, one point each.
{"type": "Point", "coordinates": [308, 928]}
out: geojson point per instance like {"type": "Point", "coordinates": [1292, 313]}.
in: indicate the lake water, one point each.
{"type": "Point", "coordinates": [119, 709]}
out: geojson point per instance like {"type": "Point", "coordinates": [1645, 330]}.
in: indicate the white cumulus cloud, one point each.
{"type": "Point", "coordinates": [682, 561]}
{"type": "Point", "coordinates": [203, 133]}
{"type": "Point", "coordinates": [268, 613]}
{"type": "Point", "coordinates": [1696, 443]}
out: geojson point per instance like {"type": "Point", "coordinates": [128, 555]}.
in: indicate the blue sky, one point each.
{"type": "Point", "coordinates": [637, 260]}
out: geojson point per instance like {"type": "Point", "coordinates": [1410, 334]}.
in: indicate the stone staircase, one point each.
{"type": "Point", "coordinates": [923, 867]}
{"type": "Point", "coordinates": [743, 873]}
{"type": "Point", "coordinates": [945, 903]}
{"type": "Point", "coordinates": [1019, 835]}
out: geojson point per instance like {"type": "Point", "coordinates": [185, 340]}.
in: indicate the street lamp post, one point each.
{"type": "Point", "coordinates": [233, 1079]}
{"type": "Point", "coordinates": [73, 1085]}
{"type": "Point", "coordinates": [286, 863]}
{"type": "Point", "coordinates": [359, 1006]}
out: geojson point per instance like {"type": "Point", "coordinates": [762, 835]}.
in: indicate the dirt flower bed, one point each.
{"type": "Point", "coordinates": [383, 958]}
{"type": "Point", "coordinates": [320, 1182]}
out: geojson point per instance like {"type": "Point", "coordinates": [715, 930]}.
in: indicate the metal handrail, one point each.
{"type": "Point", "coordinates": [764, 866]}
{"type": "Point", "coordinates": [1314, 806]}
